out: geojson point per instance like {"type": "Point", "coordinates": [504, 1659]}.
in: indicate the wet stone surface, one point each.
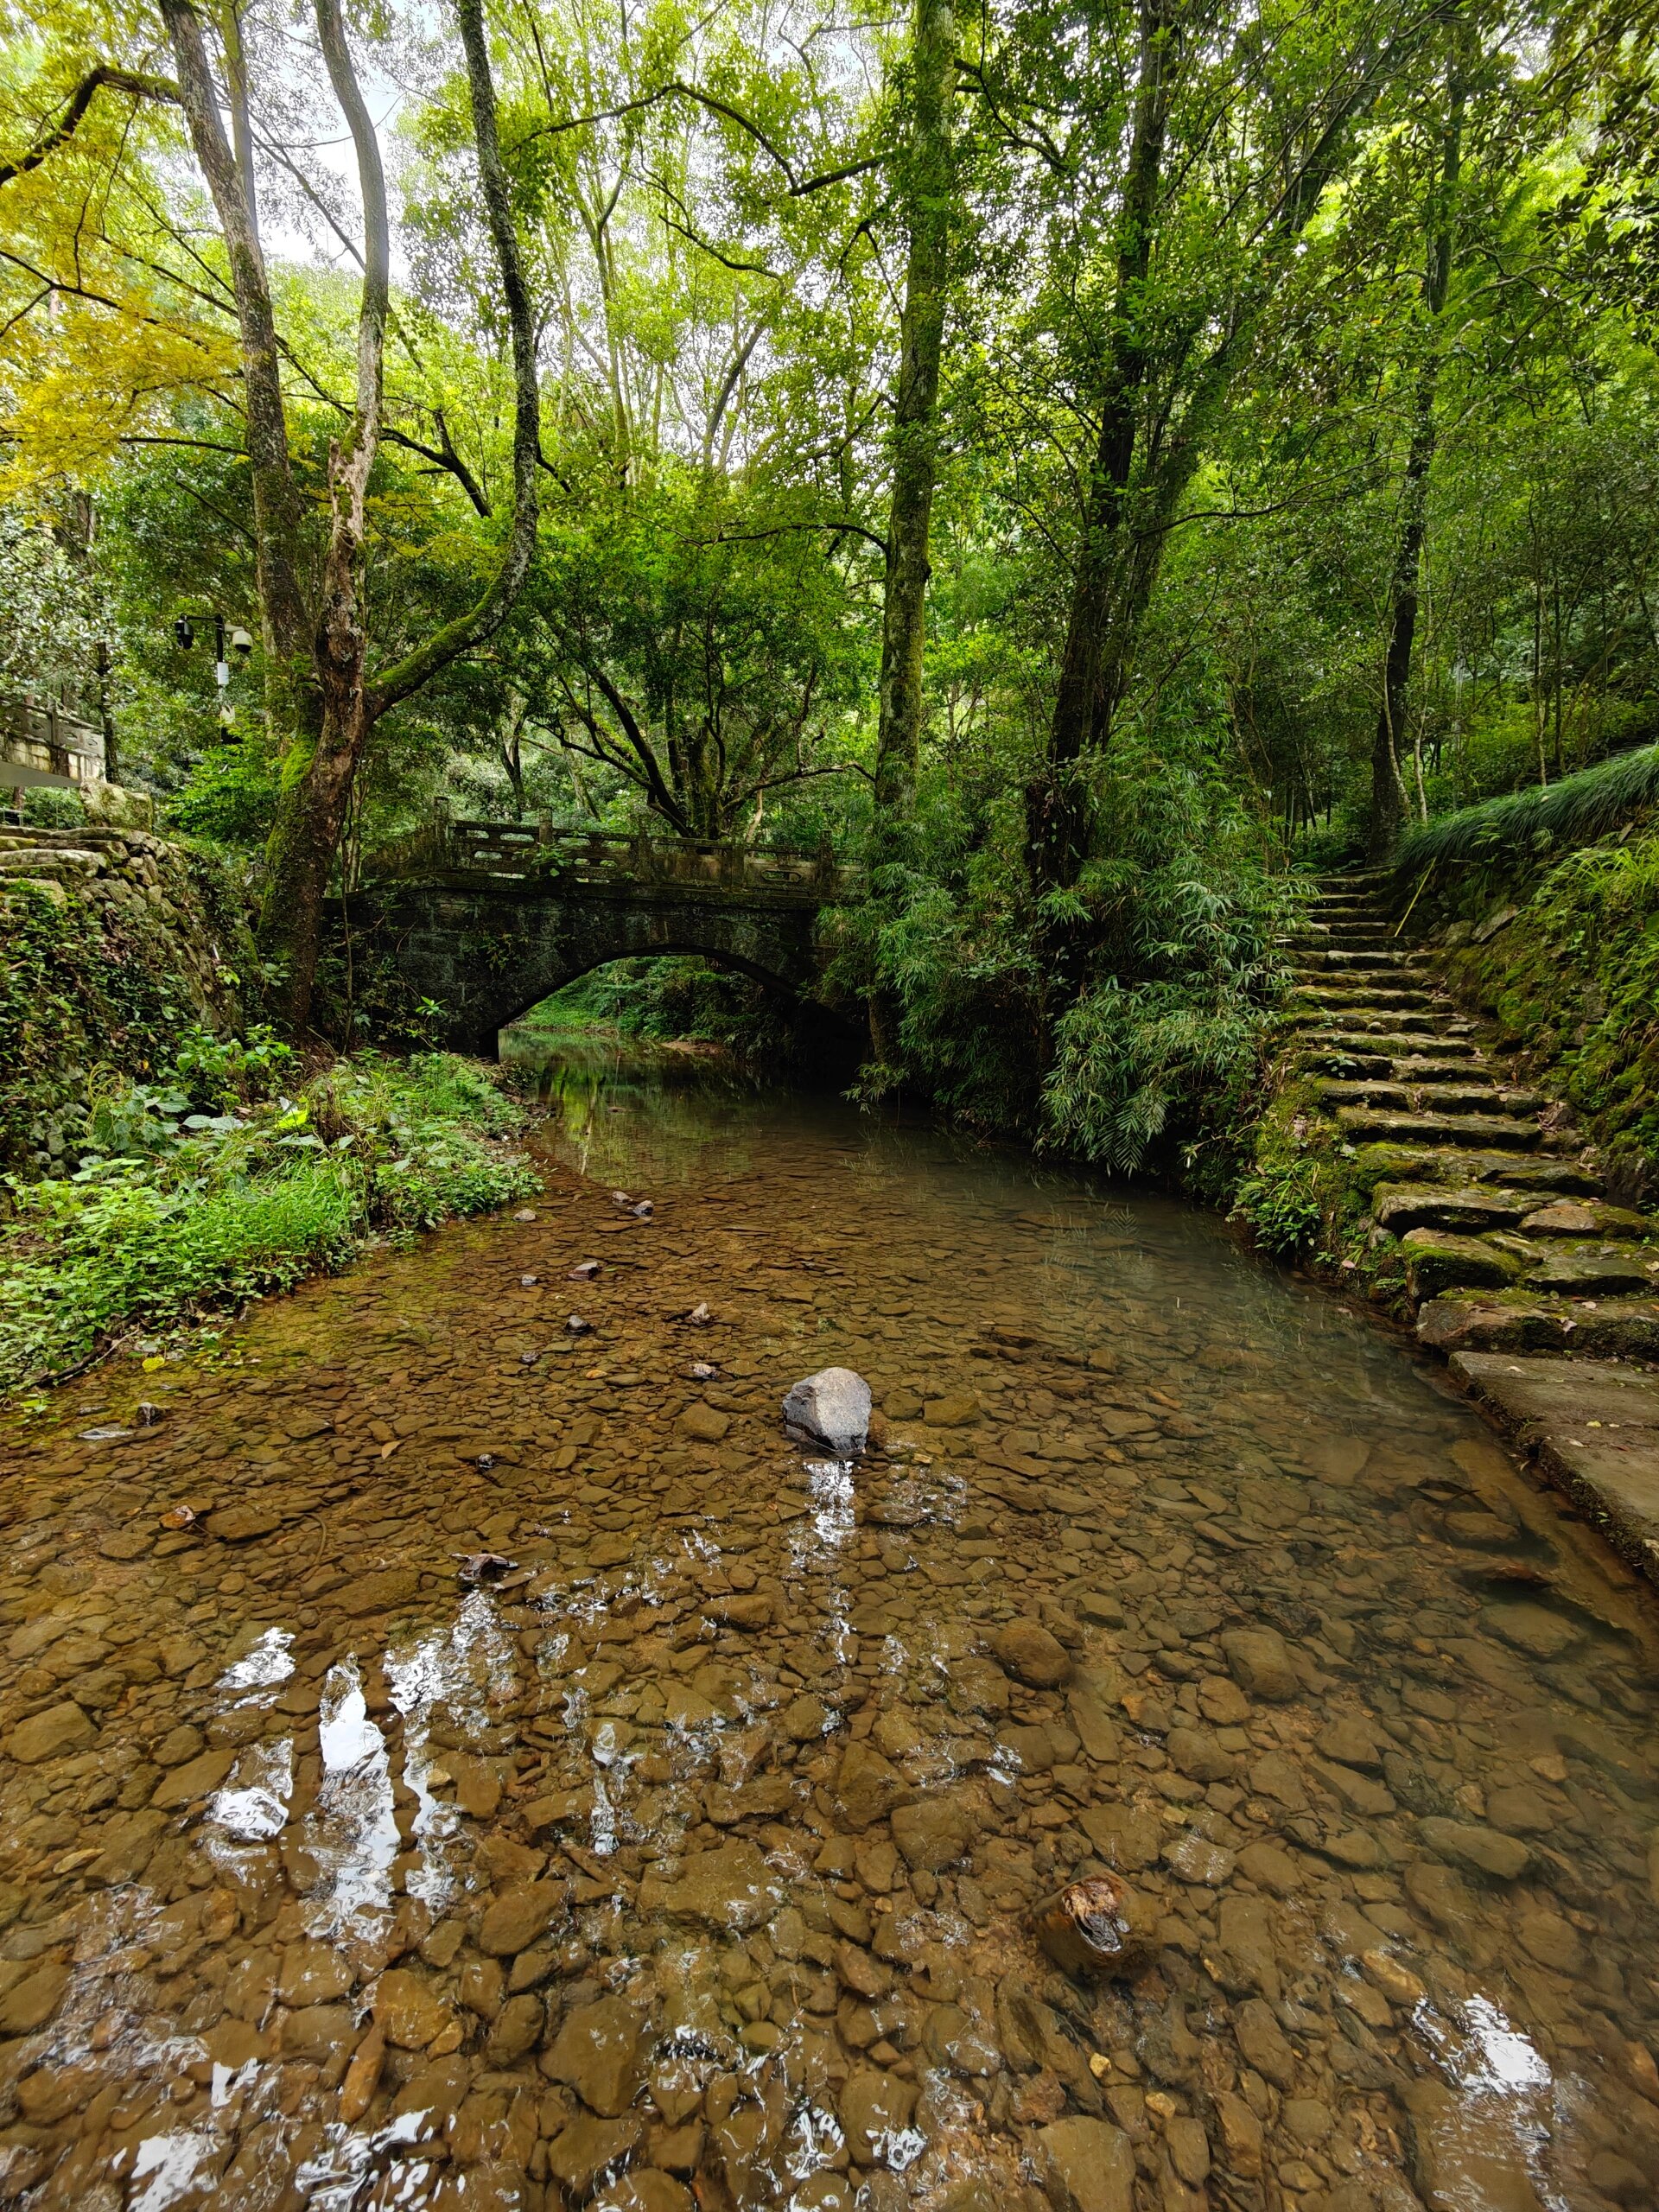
{"type": "Point", "coordinates": [536, 1781]}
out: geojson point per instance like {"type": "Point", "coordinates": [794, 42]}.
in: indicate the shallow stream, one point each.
{"type": "Point", "coordinates": [455, 1758]}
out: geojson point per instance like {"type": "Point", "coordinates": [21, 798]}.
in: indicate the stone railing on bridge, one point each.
{"type": "Point", "coordinates": [530, 852]}
{"type": "Point", "coordinates": [43, 744]}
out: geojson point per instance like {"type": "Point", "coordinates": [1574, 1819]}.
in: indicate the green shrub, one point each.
{"type": "Point", "coordinates": [172, 1215]}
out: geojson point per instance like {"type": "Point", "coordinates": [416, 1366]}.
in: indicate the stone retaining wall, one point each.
{"type": "Point", "coordinates": [113, 944]}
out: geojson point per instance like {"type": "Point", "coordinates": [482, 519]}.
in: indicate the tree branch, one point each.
{"type": "Point", "coordinates": [487, 615]}
{"type": "Point", "coordinates": [136, 82]}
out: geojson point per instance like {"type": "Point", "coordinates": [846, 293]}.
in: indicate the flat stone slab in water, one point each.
{"type": "Point", "coordinates": [1593, 1426]}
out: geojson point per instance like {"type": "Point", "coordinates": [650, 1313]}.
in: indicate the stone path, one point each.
{"type": "Point", "coordinates": [1518, 1267]}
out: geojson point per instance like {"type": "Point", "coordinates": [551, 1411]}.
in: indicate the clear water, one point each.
{"type": "Point", "coordinates": [695, 1858]}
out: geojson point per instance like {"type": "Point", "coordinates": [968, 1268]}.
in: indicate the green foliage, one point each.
{"type": "Point", "coordinates": [229, 796]}
{"type": "Point", "coordinates": [174, 1216]}
{"type": "Point", "coordinates": [1281, 1207]}
{"type": "Point", "coordinates": [672, 1000]}
{"type": "Point", "coordinates": [1178, 925]}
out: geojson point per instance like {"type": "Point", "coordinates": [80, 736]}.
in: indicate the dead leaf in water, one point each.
{"type": "Point", "coordinates": [484, 1567]}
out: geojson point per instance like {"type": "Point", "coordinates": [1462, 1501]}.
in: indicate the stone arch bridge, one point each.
{"type": "Point", "coordinates": [487, 918]}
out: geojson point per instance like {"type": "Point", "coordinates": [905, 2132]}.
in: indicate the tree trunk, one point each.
{"type": "Point", "coordinates": [311, 813]}
{"type": "Point", "coordinates": [291, 688]}
{"type": "Point", "coordinates": [929, 202]}
{"type": "Point", "coordinates": [1094, 667]}
{"type": "Point", "coordinates": [1389, 802]}
{"type": "Point", "coordinates": [311, 810]}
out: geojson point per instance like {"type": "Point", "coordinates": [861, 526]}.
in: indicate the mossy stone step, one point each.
{"type": "Point", "coordinates": [1523, 1321]}
{"type": "Point", "coordinates": [1338, 999]}
{"type": "Point", "coordinates": [1381, 1033]}
{"type": "Point", "coordinates": [1593, 1427]}
{"type": "Point", "coordinates": [1430, 1097]}
{"type": "Point", "coordinates": [1587, 1217]}
{"type": "Point", "coordinates": [1465, 1209]}
{"type": "Point", "coordinates": [1597, 1271]}
{"type": "Point", "coordinates": [1418, 1066]}
{"type": "Point", "coordinates": [1447, 1165]}
{"type": "Point", "coordinates": [1369, 1124]}
{"type": "Point", "coordinates": [1437, 1260]}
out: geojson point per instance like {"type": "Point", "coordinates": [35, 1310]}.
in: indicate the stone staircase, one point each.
{"type": "Point", "coordinates": [1508, 1240]}
{"type": "Point", "coordinates": [1542, 1294]}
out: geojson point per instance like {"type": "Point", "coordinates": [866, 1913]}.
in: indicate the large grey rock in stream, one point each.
{"type": "Point", "coordinates": [832, 1408]}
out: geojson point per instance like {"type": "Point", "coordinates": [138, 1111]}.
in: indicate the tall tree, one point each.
{"type": "Point", "coordinates": [929, 202]}
{"type": "Point", "coordinates": [1440, 218]}
{"type": "Point", "coordinates": [1237, 128]}
{"type": "Point", "coordinates": [323, 696]}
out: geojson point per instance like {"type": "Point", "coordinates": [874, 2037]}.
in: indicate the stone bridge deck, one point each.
{"type": "Point", "coordinates": [537, 854]}
{"type": "Point", "coordinates": [484, 919]}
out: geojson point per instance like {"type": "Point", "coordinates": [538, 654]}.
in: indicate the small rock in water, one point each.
{"type": "Point", "coordinates": [578, 1327]}
{"type": "Point", "coordinates": [701, 1371]}
{"type": "Point", "coordinates": [643, 1212]}
{"type": "Point", "coordinates": [622, 1198]}
{"type": "Point", "coordinates": [700, 1317]}
{"type": "Point", "coordinates": [1031, 1655]}
{"type": "Point", "coordinates": [832, 1408]}
{"type": "Point", "coordinates": [528, 1282]}
{"type": "Point", "coordinates": [584, 1271]}
{"type": "Point", "coordinates": [525, 1213]}
{"type": "Point", "coordinates": [180, 1516]}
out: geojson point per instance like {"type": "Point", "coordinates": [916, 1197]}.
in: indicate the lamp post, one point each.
{"type": "Point", "coordinates": [240, 642]}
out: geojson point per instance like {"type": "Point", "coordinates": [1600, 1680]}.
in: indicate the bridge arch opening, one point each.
{"type": "Point", "coordinates": [666, 995]}
{"type": "Point", "coordinates": [693, 1003]}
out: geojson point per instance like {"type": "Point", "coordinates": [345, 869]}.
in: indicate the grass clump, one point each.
{"type": "Point", "coordinates": [191, 1195]}
{"type": "Point", "coordinates": [1503, 834]}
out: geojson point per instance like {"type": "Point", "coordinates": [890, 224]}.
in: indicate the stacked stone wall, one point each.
{"type": "Point", "coordinates": [113, 944]}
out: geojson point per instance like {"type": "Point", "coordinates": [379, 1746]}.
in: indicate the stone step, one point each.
{"type": "Point", "coordinates": [1430, 1097]}
{"type": "Point", "coordinates": [1604, 1270]}
{"type": "Point", "coordinates": [1372, 1125]}
{"type": "Point", "coordinates": [1462, 1208]}
{"type": "Point", "coordinates": [1521, 1321]}
{"type": "Point", "coordinates": [1348, 998]}
{"type": "Point", "coordinates": [42, 861]}
{"type": "Point", "coordinates": [1420, 1067]}
{"type": "Point", "coordinates": [1449, 1167]}
{"type": "Point", "coordinates": [1349, 936]}
{"type": "Point", "coordinates": [1339, 960]}
{"type": "Point", "coordinates": [1440, 1259]}
{"type": "Point", "coordinates": [1457, 1053]}
{"type": "Point", "coordinates": [1385, 1030]}
{"type": "Point", "coordinates": [1592, 1426]}
{"type": "Point", "coordinates": [1562, 1176]}
{"type": "Point", "coordinates": [1580, 1217]}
